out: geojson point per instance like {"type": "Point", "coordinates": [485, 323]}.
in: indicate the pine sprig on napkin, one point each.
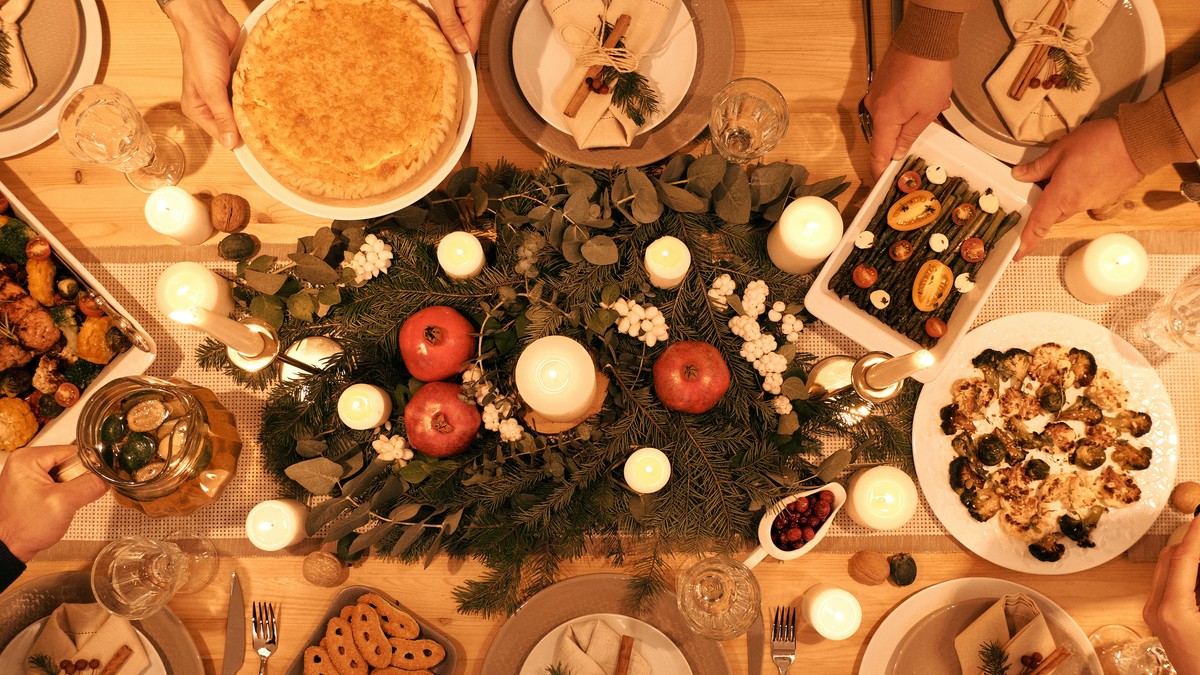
{"type": "Point", "coordinates": [1072, 73]}
{"type": "Point", "coordinates": [5, 62]}
{"type": "Point", "coordinates": [631, 92]}
{"type": "Point", "coordinates": [994, 659]}
{"type": "Point", "coordinates": [44, 663]}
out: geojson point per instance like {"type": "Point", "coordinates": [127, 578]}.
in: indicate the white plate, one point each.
{"type": "Point", "coordinates": [541, 61]}
{"type": "Point", "coordinates": [905, 623]}
{"type": "Point", "coordinates": [959, 158]}
{"type": "Point", "coordinates": [44, 124]}
{"type": "Point", "coordinates": [368, 207]}
{"type": "Point", "coordinates": [658, 650]}
{"type": "Point", "coordinates": [12, 659]}
{"type": "Point", "coordinates": [1119, 528]}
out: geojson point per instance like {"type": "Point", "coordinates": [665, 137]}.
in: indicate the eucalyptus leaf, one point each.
{"type": "Point", "coordinates": [821, 188]}
{"type": "Point", "coordinates": [268, 308]}
{"type": "Point", "coordinates": [460, 183]}
{"type": "Point", "coordinates": [392, 488]}
{"type": "Point", "coordinates": [450, 522]}
{"type": "Point", "coordinates": [788, 424]}
{"type": "Point", "coordinates": [415, 471]}
{"type": "Point", "coordinates": [787, 351]}
{"type": "Point", "coordinates": [735, 303]}
{"type": "Point", "coordinates": [799, 175]}
{"type": "Point", "coordinates": [262, 263]}
{"type": "Point", "coordinates": [480, 200]}
{"type": "Point", "coordinates": [573, 252]}
{"type": "Point", "coordinates": [769, 182]}
{"type": "Point", "coordinates": [329, 295]}
{"type": "Point", "coordinates": [433, 549]}
{"type": "Point", "coordinates": [578, 182]}
{"type": "Point", "coordinates": [706, 173]}
{"type": "Point", "coordinates": [645, 208]}
{"type": "Point", "coordinates": [322, 241]}
{"type": "Point", "coordinates": [577, 209]}
{"type": "Point", "coordinates": [676, 167]}
{"type": "Point", "coordinates": [310, 447]}
{"type": "Point", "coordinates": [357, 236]}
{"type": "Point", "coordinates": [794, 388]}
{"type": "Point", "coordinates": [601, 320]}
{"type": "Point", "coordinates": [321, 514]}
{"type": "Point", "coordinates": [313, 270]}
{"type": "Point", "coordinates": [405, 512]}
{"type": "Point", "coordinates": [372, 536]}
{"type": "Point", "coordinates": [357, 486]}
{"type": "Point", "coordinates": [360, 516]}
{"type": "Point", "coordinates": [317, 475]}
{"type": "Point", "coordinates": [505, 341]}
{"type": "Point", "coordinates": [832, 466]}
{"type": "Point", "coordinates": [681, 200]}
{"type": "Point", "coordinates": [302, 306]}
{"type": "Point", "coordinates": [731, 198]}
{"type": "Point", "coordinates": [409, 218]}
{"type": "Point", "coordinates": [263, 282]}
{"type": "Point", "coordinates": [408, 537]}
{"type": "Point", "coordinates": [600, 250]}
{"type": "Point", "coordinates": [610, 294]}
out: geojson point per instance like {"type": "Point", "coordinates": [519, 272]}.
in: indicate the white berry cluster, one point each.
{"type": "Point", "coordinates": [373, 257]}
{"type": "Point", "coordinates": [789, 324]}
{"type": "Point", "coordinates": [722, 287]}
{"type": "Point", "coordinates": [497, 410]}
{"type": "Point", "coordinates": [644, 323]}
{"type": "Point", "coordinates": [759, 347]}
{"type": "Point", "coordinates": [527, 254]}
{"type": "Point", "coordinates": [391, 448]}
{"type": "Point", "coordinates": [754, 298]}
{"type": "Point", "coordinates": [782, 405]}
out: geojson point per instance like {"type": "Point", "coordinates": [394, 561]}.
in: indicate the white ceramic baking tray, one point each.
{"type": "Point", "coordinates": [939, 147]}
{"type": "Point", "coordinates": [133, 361]}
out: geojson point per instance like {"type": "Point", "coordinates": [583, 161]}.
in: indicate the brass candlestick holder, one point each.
{"type": "Point", "coordinates": [876, 376]}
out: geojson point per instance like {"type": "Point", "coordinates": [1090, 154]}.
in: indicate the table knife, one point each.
{"type": "Point", "coordinates": [754, 646]}
{"type": "Point", "coordinates": [235, 629]}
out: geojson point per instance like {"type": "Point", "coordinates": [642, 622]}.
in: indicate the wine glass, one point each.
{"type": "Point", "coordinates": [1122, 651]}
{"type": "Point", "coordinates": [135, 577]}
{"type": "Point", "coordinates": [1173, 323]}
{"type": "Point", "coordinates": [101, 125]}
{"type": "Point", "coordinates": [747, 120]}
{"type": "Point", "coordinates": [719, 598]}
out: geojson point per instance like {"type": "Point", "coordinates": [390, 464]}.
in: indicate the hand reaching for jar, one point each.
{"type": "Point", "coordinates": [1173, 609]}
{"type": "Point", "coordinates": [35, 511]}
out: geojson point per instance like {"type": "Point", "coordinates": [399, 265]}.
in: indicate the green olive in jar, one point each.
{"type": "Point", "coordinates": [113, 428]}
{"type": "Point", "coordinates": [137, 451]}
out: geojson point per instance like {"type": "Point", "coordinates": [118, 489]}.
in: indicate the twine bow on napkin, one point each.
{"type": "Point", "coordinates": [1048, 33]}
{"type": "Point", "coordinates": [1015, 622]}
{"type": "Point", "coordinates": [599, 123]}
{"type": "Point", "coordinates": [16, 80]}
{"type": "Point", "coordinates": [87, 632]}
{"type": "Point", "coordinates": [592, 648]}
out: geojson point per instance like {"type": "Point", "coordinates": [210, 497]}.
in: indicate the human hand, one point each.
{"type": "Point", "coordinates": [461, 21]}
{"type": "Point", "coordinates": [1171, 611]}
{"type": "Point", "coordinates": [908, 92]}
{"type": "Point", "coordinates": [1087, 168]}
{"type": "Point", "coordinates": [35, 511]}
{"type": "Point", "coordinates": [207, 33]}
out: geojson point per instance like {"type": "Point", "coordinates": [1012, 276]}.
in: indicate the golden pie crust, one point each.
{"type": "Point", "coordinates": [346, 99]}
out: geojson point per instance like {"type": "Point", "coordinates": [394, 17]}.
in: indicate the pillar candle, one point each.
{"type": "Point", "coordinates": [172, 211]}
{"type": "Point", "coordinates": [1107, 268]}
{"type": "Point", "coordinates": [276, 524]}
{"type": "Point", "coordinates": [364, 406]}
{"type": "Point", "coordinates": [187, 284]}
{"type": "Point", "coordinates": [460, 255]}
{"type": "Point", "coordinates": [807, 232]}
{"type": "Point", "coordinates": [647, 470]}
{"type": "Point", "coordinates": [556, 378]}
{"type": "Point", "coordinates": [833, 612]}
{"type": "Point", "coordinates": [667, 262]}
{"type": "Point", "coordinates": [881, 498]}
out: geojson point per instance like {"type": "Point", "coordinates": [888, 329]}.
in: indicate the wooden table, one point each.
{"type": "Point", "coordinates": [813, 51]}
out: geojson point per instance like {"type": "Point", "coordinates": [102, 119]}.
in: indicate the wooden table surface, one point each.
{"type": "Point", "coordinates": [813, 51]}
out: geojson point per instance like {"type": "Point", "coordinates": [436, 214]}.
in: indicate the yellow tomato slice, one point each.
{"type": "Point", "coordinates": [914, 210]}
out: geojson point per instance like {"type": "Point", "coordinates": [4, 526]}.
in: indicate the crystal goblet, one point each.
{"type": "Point", "coordinates": [747, 120]}
{"type": "Point", "coordinates": [719, 597]}
{"type": "Point", "coordinates": [1173, 323]}
{"type": "Point", "coordinates": [1122, 651]}
{"type": "Point", "coordinates": [101, 125]}
{"type": "Point", "coordinates": [135, 577]}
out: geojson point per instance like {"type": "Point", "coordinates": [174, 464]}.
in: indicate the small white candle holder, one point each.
{"type": "Point", "coordinates": [364, 406]}
{"type": "Point", "coordinates": [833, 612]}
{"type": "Point", "coordinates": [460, 255]}
{"type": "Point", "coordinates": [882, 498]}
{"type": "Point", "coordinates": [276, 524]}
{"type": "Point", "coordinates": [807, 232]}
{"type": "Point", "coordinates": [667, 262]}
{"type": "Point", "coordinates": [647, 470]}
{"type": "Point", "coordinates": [252, 363]}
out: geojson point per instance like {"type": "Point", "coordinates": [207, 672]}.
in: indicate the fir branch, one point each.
{"type": "Point", "coordinates": [993, 658]}
{"type": "Point", "coordinates": [557, 669]}
{"type": "Point", "coordinates": [632, 93]}
{"type": "Point", "coordinates": [6, 47]}
{"type": "Point", "coordinates": [43, 662]}
{"type": "Point", "coordinates": [1073, 74]}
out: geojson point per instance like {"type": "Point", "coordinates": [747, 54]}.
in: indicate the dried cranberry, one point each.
{"type": "Point", "coordinates": [781, 521]}
{"type": "Point", "coordinates": [793, 534]}
{"type": "Point", "coordinates": [801, 505]}
{"type": "Point", "coordinates": [1034, 83]}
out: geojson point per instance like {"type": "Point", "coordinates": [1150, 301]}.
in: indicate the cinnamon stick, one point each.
{"type": "Point", "coordinates": [1033, 62]}
{"type": "Point", "coordinates": [1052, 661]}
{"type": "Point", "coordinates": [582, 91]}
{"type": "Point", "coordinates": [114, 664]}
{"type": "Point", "coordinates": [624, 655]}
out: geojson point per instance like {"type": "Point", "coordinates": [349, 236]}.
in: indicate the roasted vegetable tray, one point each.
{"type": "Point", "coordinates": [132, 360]}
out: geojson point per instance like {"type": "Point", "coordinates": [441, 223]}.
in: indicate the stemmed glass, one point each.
{"type": "Point", "coordinates": [1173, 323]}
{"type": "Point", "coordinates": [747, 120]}
{"type": "Point", "coordinates": [135, 577]}
{"type": "Point", "coordinates": [719, 598]}
{"type": "Point", "coordinates": [101, 125]}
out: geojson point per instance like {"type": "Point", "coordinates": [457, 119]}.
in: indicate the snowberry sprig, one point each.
{"type": "Point", "coordinates": [497, 410]}
{"type": "Point", "coordinates": [645, 323]}
{"type": "Point", "coordinates": [392, 448]}
{"type": "Point", "coordinates": [759, 347]}
{"type": "Point", "coordinates": [373, 256]}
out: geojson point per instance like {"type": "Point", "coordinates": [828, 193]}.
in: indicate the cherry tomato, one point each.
{"type": "Point", "coordinates": [909, 181]}
{"type": "Point", "coordinates": [901, 250]}
{"type": "Point", "coordinates": [864, 275]}
{"type": "Point", "coordinates": [3, 203]}
{"type": "Point", "coordinates": [66, 395]}
{"type": "Point", "coordinates": [935, 327]}
{"type": "Point", "coordinates": [914, 211]}
{"type": "Point", "coordinates": [962, 214]}
{"type": "Point", "coordinates": [88, 306]}
{"type": "Point", "coordinates": [38, 248]}
{"type": "Point", "coordinates": [973, 250]}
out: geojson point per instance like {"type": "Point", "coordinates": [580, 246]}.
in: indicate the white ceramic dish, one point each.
{"type": "Point", "coordinates": [372, 206]}
{"type": "Point", "coordinates": [134, 361]}
{"type": "Point", "coordinates": [1118, 529]}
{"type": "Point", "coordinates": [767, 547]}
{"type": "Point", "coordinates": [959, 158]}
{"type": "Point", "coordinates": [905, 625]}
{"type": "Point", "coordinates": [12, 659]}
{"type": "Point", "coordinates": [541, 61]}
{"type": "Point", "coordinates": [658, 650]}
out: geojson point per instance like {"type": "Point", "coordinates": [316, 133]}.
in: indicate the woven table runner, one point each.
{"type": "Point", "coordinates": [1033, 284]}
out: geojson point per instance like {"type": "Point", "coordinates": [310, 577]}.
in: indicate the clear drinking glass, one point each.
{"type": "Point", "coordinates": [719, 597]}
{"type": "Point", "coordinates": [1122, 651]}
{"type": "Point", "coordinates": [101, 125]}
{"type": "Point", "coordinates": [135, 577]}
{"type": "Point", "coordinates": [748, 119]}
{"type": "Point", "coordinates": [1173, 323]}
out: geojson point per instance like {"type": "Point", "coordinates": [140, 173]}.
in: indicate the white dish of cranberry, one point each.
{"type": "Point", "coordinates": [795, 524]}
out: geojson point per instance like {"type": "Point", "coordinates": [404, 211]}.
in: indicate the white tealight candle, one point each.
{"type": "Point", "coordinates": [667, 262]}
{"type": "Point", "coordinates": [364, 406]}
{"type": "Point", "coordinates": [647, 470]}
{"type": "Point", "coordinates": [187, 284]}
{"type": "Point", "coordinates": [1107, 268]}
{"type": "Point", "coordinates": [881, 498]}
{"type": "Point", "coordinates": [238, 337]}
{"type": "Point", "coordinates": [276, 524]}
{"type": "Point", "coordinates": [460, 254]}
{"type": "Point", "coordinates": [172, 211]}
{"type": "Point", "coordinates": [833, 612]}
{"type": "Point", "coordinates": [807, 232]}
{"type": "Point", "coordinates": [556, 378]}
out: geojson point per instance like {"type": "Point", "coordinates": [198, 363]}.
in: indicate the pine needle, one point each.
{"type": "Point", "coordinates": [1073, 73]}
{"type": "Point", "coordinates": [44, 663]}
{"type": "Point", "coordinates": [993, 658]}
{"type": "Point", "coordinates": [6, 47]}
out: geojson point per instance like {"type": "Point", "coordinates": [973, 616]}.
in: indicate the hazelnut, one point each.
{"type": "Point", "coordinates": [1186, 497]}
{"type": "Point", "coordinates": [229, 213]}
{"type": "Point", "coordinates": [869, 568]}
{"type": "Point", "coordinates": [323, 568]}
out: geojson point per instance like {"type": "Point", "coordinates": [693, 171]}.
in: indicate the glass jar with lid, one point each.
{"type": "Point", "coordinates": [166, 446]}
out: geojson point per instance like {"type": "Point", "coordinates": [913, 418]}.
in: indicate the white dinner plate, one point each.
{"type": "Point", "coordinates": [379, 205]}
{"type": "Point", "coordinates": [660, 653]}
{"type": "Point", "coordinates": [541, 61]}
{"type": "Point", "coordinates": [1119, 528]}
{"type": "Point", "coordinates": [927, 622]}
{"type": "Point", "coordinates": [12, 659]}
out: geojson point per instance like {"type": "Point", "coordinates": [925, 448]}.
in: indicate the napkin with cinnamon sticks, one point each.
{"type": "Point", "coordinates": [599, 123]}
{"type": "Point", "coordinates": [593, 648]}
{"type": "Point", "coordinates": [16, 80]}
{"type": "Point", "coordinates": [1015, 622]}
{"type": "Point", "coordinates": [1035, 114]}
{"type": "Point", "coordinates": [79, 631]}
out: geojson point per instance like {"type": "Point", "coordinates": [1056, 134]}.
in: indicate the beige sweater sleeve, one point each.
{"type": "Point", "coordinates": [1164, 128]}
{"type": "Point", "coordinates": [929, 28]}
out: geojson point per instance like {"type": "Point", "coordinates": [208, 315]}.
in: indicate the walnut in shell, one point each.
{"type": "Point", "coordinates": [1186, 497]}
{"type": "Point", "coordinates": [869, 568]}
{"type": "Point", "coordinates": [229, 213]}
{"type": "Point", "coordinates": [323, 568]}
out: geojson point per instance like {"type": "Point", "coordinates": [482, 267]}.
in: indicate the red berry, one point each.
{"type": "Point", "coordinates": [1060, 85]}
{"type": "Point", "coordinates": [793, 534]}
{"type": "Point", "coordinates": [809, 534]}
{"type": "Point", "coordinates": [81, 664]}
{"type": "Point", "coordinates": [1034, 83]}
{"type": "Point", "coordinates": [62, 665]}
{"type": "Point", "coordinates": [781, 521]}
{"type": "Point", "coordinates": [604, 89]}
{"type": "Point", "coordinates": [801, 505]}
{"type": "Point", "coordinates": [69, 669]}
{"type": "Point", "coordinates": [1047, 84]}
{"type": "Point", "coordinates": [826, 496]}
{"type": "Point", "coordinates": [94, 664]}
{"type": "Point", "coordinates": [823, 509]}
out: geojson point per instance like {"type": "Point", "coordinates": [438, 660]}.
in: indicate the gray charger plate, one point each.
{"type": "Point", "coordinates": [714, 67]}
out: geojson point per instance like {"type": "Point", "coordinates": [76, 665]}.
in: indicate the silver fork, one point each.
{"type": "Point", "coordinates": [864, 115]}
{"type": "Point", "coordinates": [265, 631]}
{"type": "Point", "coordinates": [783, 638]}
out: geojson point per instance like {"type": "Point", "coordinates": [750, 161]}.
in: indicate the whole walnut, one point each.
{"type": "Point", "coordinates": [869, 568]}
{"type": "Point", "coordinates": [229, 213]}
{"type": "Point", "coordinates": [323, 568]}
{"type": "Point", "coordinates": [1186, 497]}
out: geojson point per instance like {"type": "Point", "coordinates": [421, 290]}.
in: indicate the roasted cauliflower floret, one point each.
{"type": "Point", "coordinates": [1136, 424]}
{"type": "Point", "coordinates": [1107, 391]}
{"type": "Point", "coordinates": [1117, 489]}
{"type": "Point", "coordinates": [1131, 458]}
{"type": "Point", "coordinates": [1062, 436]}
{"type": "Point", "coordinates": [972, 395]}
{"type": "Point", "coordinates": [1016, 403]}
{"type": "Point", "coordinates": [1049, 363]}
{"type": "Point", "coordinates": [1082, 368]}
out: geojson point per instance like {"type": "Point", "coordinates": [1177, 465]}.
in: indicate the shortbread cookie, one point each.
{"type": "Point", "coordinates": [347, 612]}
{"type": "Point", "coordinates": [342, 651]}
{"type": "Point", "coordinates": [369, 637]}
{"type": "Point", "coordinates": [395, 622]}
{"type": "Point", "coordinates": [317, 662]}
{"type": "Point", "coordinates": [416, 654]}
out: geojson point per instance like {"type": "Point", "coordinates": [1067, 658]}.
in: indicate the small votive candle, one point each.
{"type": "Point", "coordinates": [276, 524]}
{"type": "Point", "coordinates": [667, 262]}
{"type": "Point", "coordinates": [807, 232]}
{"type": "Point", "coordinates": [238, 337]}
{"type": "Point", "coordinates": [1106, 268]}
{"type": "Point", "coordinates": [460, 255]}
{"type": "Point", "coordinates": [556, 377]}
{"type": "Point", "coordinates": [881, 498]}
{"type": "Point", "coordinates": [172, 211]}
{"type": "Point", "coordinates": [187, 284]}
{"type": "Point", "coordinates": [364, 406]}
{"type": "Point", "coordinates": [647, 470]}
{"type": "Point", "coordinates": [833, 612]}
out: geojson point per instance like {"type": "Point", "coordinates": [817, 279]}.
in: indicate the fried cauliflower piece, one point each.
{"type": "Point", "coordinates": [17, 423]}
{"type": "Point", "coordinates": [1107, 391]}
{"type": "Point", "coordinates": [1049, 363]}
{"type": "Point", "coordinates": [1117, 489]}
{"type": "Point", "coordinates": [972, 395]}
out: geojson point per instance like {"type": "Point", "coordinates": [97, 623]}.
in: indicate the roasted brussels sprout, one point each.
{"type": "Point", "coordinates": [1088, 456]}
{"type": "Point", "coordinates": [990, 450]}
{"type": "Point", "coordinates": [903, 569]}
{"type": "Point", "coordinates": [988, 362]}
{"type": "Point", "coordinates": [1050, 397]}
{"type": "Point", "coordinates": [1015, 365]}
{"type": "Point", "coordinates": [16, 382]}
{"type": "Point", "coordinates": [963, 445]}
{"type": "Point", "coordinates": [1013, 452]}
{"type": "Point", "coordinates": [1079, 529]}
{"type": "Point", "coordinates": [1047, 549]}
{"type": "Point", "coordinates": [1024, 437]}
{"type": "Point", "coordinates": [1136, 424]}
{"type": "Point", "coordinates": [1083, 366]}
{"type": "Point", "coordinates": [1131, 458]}
{"type": "Point", "coordinates": [1082, 410]}
{"type": "Point", "coordinates": [964, 475]}
{"type": "Point", "coordinates": [68, 288]}
{"type": "Point", "coordinates": [48, 408]}
{"type": "Point", "coordinates": [1037, 469]}
{"type": "Point", "coordinates": [982, 503]}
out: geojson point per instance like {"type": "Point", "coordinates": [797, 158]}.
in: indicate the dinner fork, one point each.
{"type": "Point", "coordinates": [864, 115]}
{"type": "Point", "coordinates": [265, 631]}
{"type": "Point", "coordinates": [783, 638]}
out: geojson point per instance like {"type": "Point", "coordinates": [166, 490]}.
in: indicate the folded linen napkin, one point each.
{"type": "Point", "coordinates": [599, 124]}
{"type": "Point", "coordinates": [20, 78]}
{"type": "Point", "coordinates": [1015, 622]}
{"type": "Point", "coordinates": [78, 631]}
{"type": "Point", "coordinates": [591, 648]}
{"type": "Point", "coordinates": [1043, 115]}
